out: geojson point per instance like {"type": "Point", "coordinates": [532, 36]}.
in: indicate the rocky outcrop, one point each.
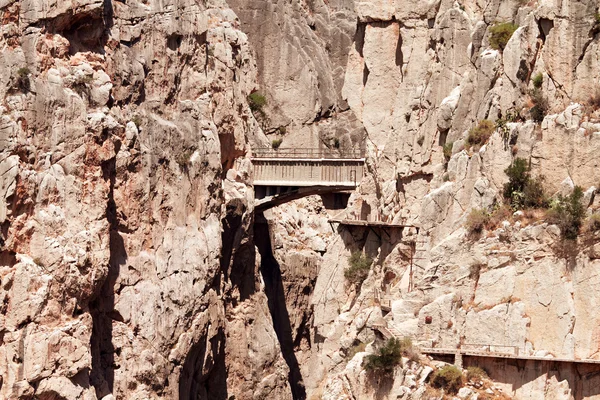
{"type": "Point", "coordinates": [418, 77]}
{"type": "Point", "coordinates": [124, 135]}
{"type": "Point", "coordinates": [131, 263]}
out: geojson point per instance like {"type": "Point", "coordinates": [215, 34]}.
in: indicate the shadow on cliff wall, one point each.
{"type": "Point", "coordinates": [237, 256]}
{"type": "Point", "coordinates": [194, 382]}
{"type": "Point", "coordinates": [102, 308]}
{"type": "Point", "coordinates": [271, 273]}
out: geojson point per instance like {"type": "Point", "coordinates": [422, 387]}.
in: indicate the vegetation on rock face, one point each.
{"type": "Point", "coordinates": [357, 347]}
{"type": "Point", "coordinates": [500, 34]}
{"type": "Point", "coordinates": [568, 212]}
{"type": "Point", "coordinates": [137, 120]}
{"type": "Point", "coordinates": [448, 150]}
{"type": "Point", "coordinates": [257, 102]}
{"type": "Point", "coordinates": [480, 134]}
{"type": "Point", "coordinates": [408, 350]}
{"type": "Point", "coordinates": [538, 80]}
{"type": "Point", "coordinates": [448, 378]}
{"type": "Point", "coordinates": [521, 190]}
{"type": "Point", "coordinates": [476, 373]}
{"type": "Point", "coordinates": [386, 359]}
{"type": "Point", "coordinates": [22, 81]}
{"type": "Point", "coordinates": [276, 143]}
{"type": "Point", "coordinates": [476, 222]}
{"type": "Point", "coordinates": [359, 268]}
{"type": "Point", "coordinates": [541, 106]}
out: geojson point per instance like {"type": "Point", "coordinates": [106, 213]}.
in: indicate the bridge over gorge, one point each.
{"type": "Point", "coordinates": [286, 174]}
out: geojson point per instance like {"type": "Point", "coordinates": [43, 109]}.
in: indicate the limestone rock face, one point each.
{"type": "Point", "coordinates": [119, 123]}
{"type": "Point", "coordinates": [132, 264]}
{"type": "Point", "coordinates": [418, 77]}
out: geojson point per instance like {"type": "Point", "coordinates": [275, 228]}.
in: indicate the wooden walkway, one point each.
{"type": "Point", "coordinates": [390, 332]}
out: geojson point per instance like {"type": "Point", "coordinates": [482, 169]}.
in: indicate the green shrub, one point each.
{"type": "Point", "coordinates": [538, 80]}
{"type": "Point", "coordinates": [567, 212]}
{"type": "Point", "coordinates": [386, 359]}
{"type": "Point", "coordinates": [541, 107]}
{"type": "Point", "coordinates": [23, 72]}
{"type": "Point", "coordinates": [534, 194]}
{"type": "Point", "coordinates": [448, 378]}
{"type": "Point", "coordinates": [256, 101]}
{"type": "Point", "coordinates": [448, 150]}
{"type": "Point", "coordinates": [521, 190]}
{"type": "Point", "coordinates": [276, 143]}
{"type": "Point", "coordinates": [336, 143]}
{"type": "Point", "coordinates": [359, 268]}
{"type": "Point", "coordinates": [597, 18]}
{"type": "Point", "coordinates": [476, 222]}
{"type": "Point", "coordinates": [476, 374]}
{"type": "Point", "coordinates": [500, 34]}
{"type": "Point", "coordinates": [480, 134]}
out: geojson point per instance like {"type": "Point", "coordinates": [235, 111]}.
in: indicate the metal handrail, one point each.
{"type": "Point", "coordinates": [300, 152]}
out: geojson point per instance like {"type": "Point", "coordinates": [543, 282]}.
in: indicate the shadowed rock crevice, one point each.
{"type": "Point", "coordinates": [102, 308]}
{"type": "Point", "coordinates": [204, 374]}
{"type": "Point", "coordinates": [274, 290]}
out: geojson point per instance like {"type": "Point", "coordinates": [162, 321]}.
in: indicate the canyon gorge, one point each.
{"type": "Point", "coordinates": [134, 265]}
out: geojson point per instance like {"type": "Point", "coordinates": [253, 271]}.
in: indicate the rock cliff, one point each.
{"type": "Point", "coordinates": [132, 264]}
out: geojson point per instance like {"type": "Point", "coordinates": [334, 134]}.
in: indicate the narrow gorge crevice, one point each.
{"type": "Point", "coordinates": [102, 308]}
{"type": "Point", "coordinates": [204, 373]}
{"type": "Point", "coordinates": [271, 273]}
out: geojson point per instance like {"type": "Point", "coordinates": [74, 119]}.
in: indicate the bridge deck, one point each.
{"type": "Point", "coordinates": [307, 167]}
{"type": "Point", "coordinates": [360, 222]}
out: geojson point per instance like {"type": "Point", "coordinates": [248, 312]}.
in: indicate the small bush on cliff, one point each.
{"type": "Point", "coordinates": [476, 222]}
{"type": "Point", "coordinates": [22, 79]}
{"type": "Point", "coordinates": [568, 212]}
{"type": "Point", "coordinates": [448, 378]}
{"type": "Point", "coordinates": [408, 350]}
{"type": "Point", "coordinates": [359, 268]}
{"type": "Point", "coordinates": [256, 101]}
{"type": "Point", "coordinates": [521, 190]}
{"type": "Point", "coordinates": [476, 374]}
{"type": "Point", "coordinates": [448, 150]}
{"type": "Point", "coordinates": [538, 80]}
{"type": "Point", "coordinates": [500, 34]}
{"type": "Point", "coordinates": [480, 134]}
{"type": "Point", "coordinates": [276, 143]}
{"type": "Point", "coordinates": [386, 359]}
{"type": "Point", "coordinates": [541, 106]}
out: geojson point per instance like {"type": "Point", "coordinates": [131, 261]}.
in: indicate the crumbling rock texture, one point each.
{"type": "Point", "coordinates": [419, 75]}
{"type": "Point", "coordinates": [132, 264]}
{"type": "Point", "coordinates": [121, 125]}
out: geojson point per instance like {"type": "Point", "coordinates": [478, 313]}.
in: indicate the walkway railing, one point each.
{"type": "Point", "coordinates": [316, 153]}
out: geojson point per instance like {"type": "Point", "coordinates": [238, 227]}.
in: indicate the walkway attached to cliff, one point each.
{"type": "Point", "coordinates": [478, 350]}
{"type": "Point", "coordinates": [286, 174]}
